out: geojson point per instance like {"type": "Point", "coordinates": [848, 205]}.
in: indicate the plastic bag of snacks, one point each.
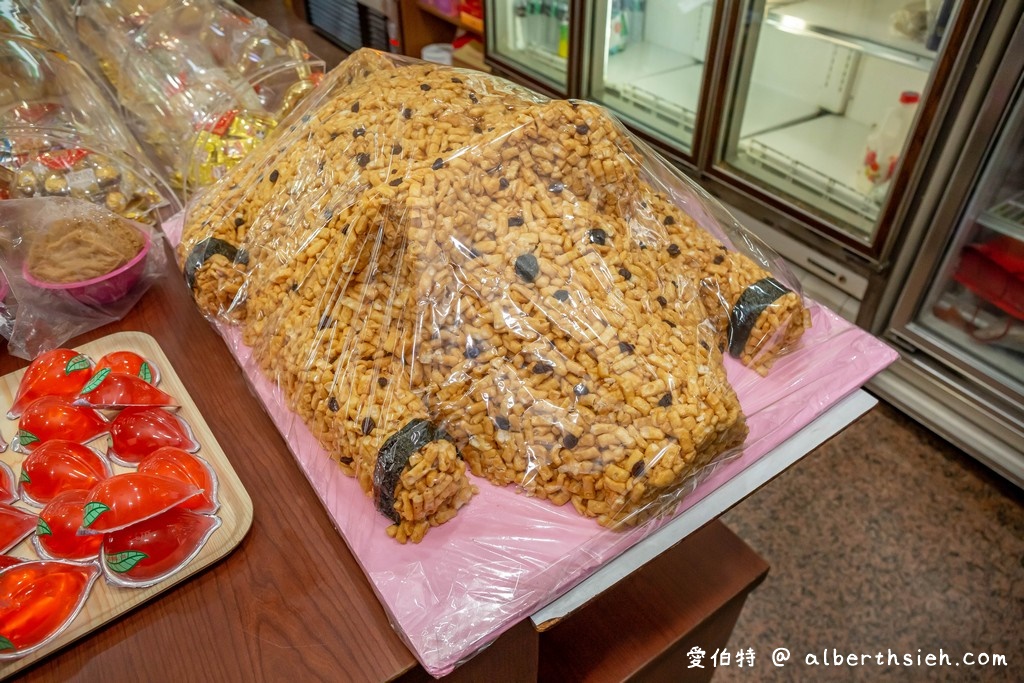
{"type": "Point", "coordinates": [446, 274]}
{"type": "Point", "coordinates": [60, 136]}
{"type": "Point", "coordinates": [69, 266]}
{"type": "Point", "coordinates": [203, 82]}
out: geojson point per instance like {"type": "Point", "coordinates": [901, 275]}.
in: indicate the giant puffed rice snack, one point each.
{"type": "Point", "coordinates": [441, 269]}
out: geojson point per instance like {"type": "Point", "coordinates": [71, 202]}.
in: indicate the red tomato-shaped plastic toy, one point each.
{"type": "Point", "coordinates": [109, 389]}
{"type": "Point", "coordinates": [130, 363]}
{"type": "Point", "coordinates": [127, 499]}
{"type": "Point", "coordinates": [15, 525]}
{"type": "Point", "coordinates": [53, 417]}
{"type": "Point", "coordinates": [9, 561]}
{"type": "Point", "coordinates": [38, 600]}
{"type": "Point", "coordinates": [57, 535]}
{"type": "Point", "coordinates": [175, 463]}
{"type": "Point", "coordinates": [150, 551]}
{"type": "Point", "coordinates": [57, 466]}
{"type": "Point", "coordinates": [61, 372]}
{"type": "Point", "coordinates": [8, 492]}
{"type": "Point", "coordinates": [137, 432]}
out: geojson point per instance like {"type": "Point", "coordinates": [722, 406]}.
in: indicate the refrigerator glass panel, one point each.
{"type": "Point", "coordinates": [824, 99]}
{"type": "Point", "coordinates": [648, 63]}
{"type": "Point", "coordinates": [532, 35]}
{"type": "Point", "coordinates": [976, 303]}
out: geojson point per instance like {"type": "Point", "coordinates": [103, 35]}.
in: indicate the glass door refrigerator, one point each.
{"type": "Point", "coordinates": [534, 42]}
{"type": "Point", "coordinates": [958, 312]}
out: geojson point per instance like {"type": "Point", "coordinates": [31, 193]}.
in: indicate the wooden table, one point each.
{"type": "Point", "coordinates": [291, 603]}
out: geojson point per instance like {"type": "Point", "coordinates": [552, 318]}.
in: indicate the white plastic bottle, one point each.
{"type": "Point", "coordinates": [886, 140]}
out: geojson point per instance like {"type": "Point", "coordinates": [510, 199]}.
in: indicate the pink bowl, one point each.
{"type": "Point", "coordinates": [105, 289]}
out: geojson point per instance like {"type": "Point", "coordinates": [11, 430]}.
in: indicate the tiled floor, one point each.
{"type": "Point", "coordinates": [884, 539]}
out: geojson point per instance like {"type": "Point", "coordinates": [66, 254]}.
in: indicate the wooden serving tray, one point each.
{"type": "Point", "coordinates": [107, 602]}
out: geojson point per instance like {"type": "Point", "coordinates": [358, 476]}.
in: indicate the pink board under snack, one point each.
{"type": "Point", "coordinates": [506, 555]}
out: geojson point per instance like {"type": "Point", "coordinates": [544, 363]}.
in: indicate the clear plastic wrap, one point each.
{"type": "Point", "coordinates": [451, 292]}
{"type": "Point", "coordinates": [202, 82]}
{"type": "Point", "coordinates": [450, 274]}
{"type": "Point", "coordinates": [61, 136]}
{"type": "Point", "coordinates": [69, 266]}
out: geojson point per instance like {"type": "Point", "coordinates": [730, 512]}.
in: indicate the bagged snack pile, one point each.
{"type": "Point", "coordinates": [442, 271]}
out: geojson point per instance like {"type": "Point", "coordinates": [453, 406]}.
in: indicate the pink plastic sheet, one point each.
{"type": "Point", "coordinates": [506, 555]}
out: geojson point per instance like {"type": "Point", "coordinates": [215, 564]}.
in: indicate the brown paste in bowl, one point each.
{"type": "Point", "coordinates": [77, 249]}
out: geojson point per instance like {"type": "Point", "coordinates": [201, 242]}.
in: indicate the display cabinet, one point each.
{"type": "Point", "coordinates": [809, 116]}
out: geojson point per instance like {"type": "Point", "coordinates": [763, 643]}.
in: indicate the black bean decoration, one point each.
{"type": "Point", "coordinates": [472, 350]}
{"type": "Point", "coordinates": [274, 175]}
{"type": "Point", "coordinates": [569, 440]}
{"type": "Point", "coordinates": [704, 345]}
{"type": "Point", "coordinates": [478, 130]}
{"type": "Point", "coordinates": [355, 107]}
{"type": "Point", "coordinates": [332, 404]}
{"type": "Point", "coordinates": [396, 182]}
{"type": "Point", "coordinates": [598, 236]}
{"type": "Point", "coordinates": [583, 129]}
{"type": "Point", "coordinates": [556, 187]}
{"type": "Point", "coordinates": [625, 273]}
{"type": "Point", "coordinates": [382, 382]}
{"type": "Point", "coordinates": [542, 368]}
{"type": "Point", "coordinates": [673, 250]}
{"type": "Point", "coordinates": [666, 400]}
{"type": "Point", "coordinates": [362, 159]}
{"type": "Point", "coordinates": [407, 113]}
{"type": "Point", "coordinates": [438, 164]}
{"type": "Point", "coordinates": [515, 221]}
{"type": "Point", "coordinates": [669, 220]}
{"type": "Point", "coordinates": [501, 422]}
{"type": "Point", "coordinates": [626, 347]}
{"type": "Point", "coordinates": [580, 389]}
{"type": "Point", "coordinates": [473, 99]}
{"type": "Point", "coordinates": [239, 222]}
{"type": "Point", "coordinates": [396, 149]}
{"type": "Point", "coordinates": [718, 259]}
{"type": "Point", "coordinates": [561, 295]}
{"type": "Point", "coordinates": [324, 322]}
{"type": "Point", "coordinates": [663, 301]}
{"type": "Point", "coordinates": [368, 425]}
{"type": "Point", "coordinates": [424, 87]}
{"type": "Point", "coordinates": [359, 132]}
{"type": "Point", "coordinates": [503, 184]}
{"type": "Point", "coordinates": [456, 80]}
{"type": "Point", "coordinates": [638, 469]}
{"type": "Point", "coordinates": [527, 267]}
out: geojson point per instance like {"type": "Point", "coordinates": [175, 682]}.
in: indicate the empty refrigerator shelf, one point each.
{"type": "Point", "coordinates": [816, 160]}
{"type": "Point", "coordinates": [543, 62]}
{"type": "Point", "coordinates": [768, 109]}
{"type": "Point", "coordinates": [665, 101]}
{"type": "Point", "coordinates": [640, 60]}
{"type": "Point", "coordinates": [865, 25]}
{"type": "Point", "coordinates": [1007, 217]}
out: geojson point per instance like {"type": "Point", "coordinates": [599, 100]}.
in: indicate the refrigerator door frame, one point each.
{"type": "Point", "coordinates": [949, 66]}
{"type": "Point", "coordinates": [931, 382]}
{"type": "Point", "coordinates": [595, 17]}
{"type": "Point", "coordinates": [506, 66]}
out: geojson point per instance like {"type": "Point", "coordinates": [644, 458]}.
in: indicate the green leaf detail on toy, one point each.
{"type": "Point", "coordinates": [145, 373]}
{"type": "Point", "coordinates": [42, 528]}
{"type": "Point", "coordinates": [95, 381]}
{"type": "Point", "coordinates": [26, 437]}
{"type": "Point", "coordinates": [79, 362]}
{"type": "Point", "coordinates": [92, 511]}
{"type": "Point", "coordinates": [124, 561]}
{"type": "Point", "coordinates": [6, 644]}
{"type": "Point", "coordinates": [25, 478]}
